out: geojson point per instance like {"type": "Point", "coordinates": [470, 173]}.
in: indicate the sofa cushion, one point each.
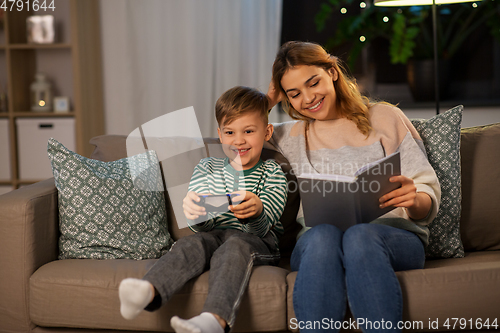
{"type": "Point", "coordinates": [113, 147]}
{"type": "Point", "coordinates": [480, 154]}
{"type": "Point", "coordinates": [109, 210]}
{"type": "Point", "coordinates": [441, 137]}
{"type": "Point", "coordinates": [446, 289]}
{"type": "Point", "coordinates": [93, 303]}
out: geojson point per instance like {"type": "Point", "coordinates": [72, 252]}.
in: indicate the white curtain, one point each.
{"type": "Point", "coordinates": [164, 55]}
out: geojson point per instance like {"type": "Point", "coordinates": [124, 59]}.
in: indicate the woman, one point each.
{"type": "Point", "coordinates": [337, 131]}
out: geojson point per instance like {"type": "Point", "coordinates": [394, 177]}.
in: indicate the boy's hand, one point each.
{"type": "Point", "coordinates": [246, 205]}
{"type": "Point", "coordinates": [191, 210]}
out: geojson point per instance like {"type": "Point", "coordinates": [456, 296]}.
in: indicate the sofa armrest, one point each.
{"type": "Point", "coordinates": [28, 239]}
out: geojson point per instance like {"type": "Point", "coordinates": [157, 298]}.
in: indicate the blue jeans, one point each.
{"type": "Point", "coordinates": [358, 266]}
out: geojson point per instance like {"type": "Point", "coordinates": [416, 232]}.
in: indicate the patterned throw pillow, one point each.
{"type": "Point", "coordinates": [104, 213]}
{"type": "Point", "coordinates": [441, 137]}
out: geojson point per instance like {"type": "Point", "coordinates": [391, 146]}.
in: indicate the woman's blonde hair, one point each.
{"type": "Point", "coordinates": [350, 103]}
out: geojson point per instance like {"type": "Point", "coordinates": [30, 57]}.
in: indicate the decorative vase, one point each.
{"type": "Point", "coordinates": [41, 94]}
{"type": "Point", "coordinates": [420, 75]}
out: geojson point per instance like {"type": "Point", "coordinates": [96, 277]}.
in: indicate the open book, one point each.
{"type": "Point", "coordinates": [345, 201]}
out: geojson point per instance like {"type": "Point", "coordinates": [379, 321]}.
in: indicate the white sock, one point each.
{"type": "Point", "coordinates": [204, 323]}
{"type": "Point", "coordinates": [135, 295]}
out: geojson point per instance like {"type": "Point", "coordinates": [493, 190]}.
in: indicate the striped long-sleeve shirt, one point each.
{"type": "Point", "coordinates": [266, 180]}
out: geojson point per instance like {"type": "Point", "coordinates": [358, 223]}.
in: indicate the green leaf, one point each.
{"type": "Point", "coordinates": [322, 16]}
{"type": "Point", "coordinates": [403, 41]}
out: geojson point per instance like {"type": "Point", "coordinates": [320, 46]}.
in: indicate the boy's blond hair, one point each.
{"type": "Point", "coordinates": [238, 101]}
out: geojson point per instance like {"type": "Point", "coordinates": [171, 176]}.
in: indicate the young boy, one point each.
{"type": "Point", "coordinates": [230, 243]}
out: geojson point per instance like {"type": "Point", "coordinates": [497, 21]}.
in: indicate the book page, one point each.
{"type": "Point", "coordinates": [322, 176]}
{"type": "Point", "coordinates": [372, 164]}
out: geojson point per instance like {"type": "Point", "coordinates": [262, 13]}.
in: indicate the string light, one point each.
{"type": "Point", "coordinates": [362, 5]}
{"type": "Point", "coordinates": [385, 19]}
{"type": "Point", "coordinates": [343, 10]}
{"type": "Point", "coordinates": [362, 39]}
{"type": "Point", "coordinates": [474, 5]}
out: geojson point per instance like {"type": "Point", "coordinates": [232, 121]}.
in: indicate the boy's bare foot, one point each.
{"type": "Point", "coordinates": [135, 295]}
{"type": "Point", "coordinates": [204, 323]}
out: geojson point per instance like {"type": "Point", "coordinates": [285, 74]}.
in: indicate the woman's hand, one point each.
{"type": "Point", "coordinates": [191, 210]}
{"type": "Point", "coordinates": [275, 96]}
{"type": "Point", "coordinates": [416, 203]}
{"type": "Point", "coordinates": [246, 205]}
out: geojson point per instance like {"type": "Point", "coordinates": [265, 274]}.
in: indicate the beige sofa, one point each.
{"type": "Point", "coordinates": [42, 294]}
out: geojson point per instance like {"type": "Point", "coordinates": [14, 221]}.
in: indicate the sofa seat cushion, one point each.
{"type": "Point", "coordinates": [83, 293]}
{"type": "Point", "coordinates": [447, 288]}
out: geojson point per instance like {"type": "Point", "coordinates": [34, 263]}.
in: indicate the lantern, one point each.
{"type": "Point", "coordinates": [41, 94]}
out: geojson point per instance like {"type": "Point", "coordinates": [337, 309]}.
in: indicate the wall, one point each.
{"type": "Point", "coordinates": [472, 116]}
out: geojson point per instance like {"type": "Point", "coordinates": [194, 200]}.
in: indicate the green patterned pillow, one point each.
{"type": "Point", "coordinates": [103, 211]}
{"type": "Point", "coordinates": [441, 137]}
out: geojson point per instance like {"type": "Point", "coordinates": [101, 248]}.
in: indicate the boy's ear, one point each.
{"type": "Point", "coordinates": [269, 131]}
{"type": "Point", "coordinates": [219, 133]}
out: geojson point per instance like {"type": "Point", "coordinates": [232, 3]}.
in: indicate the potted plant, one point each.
{"type": "Point", "coordinates": [409, 32]}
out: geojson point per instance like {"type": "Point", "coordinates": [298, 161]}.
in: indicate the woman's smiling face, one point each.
{"type": "Point", "coordinates": [311, 92]}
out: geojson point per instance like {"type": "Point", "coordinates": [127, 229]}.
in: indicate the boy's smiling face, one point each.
{"type": "Point", "coordinates": [242, 139]}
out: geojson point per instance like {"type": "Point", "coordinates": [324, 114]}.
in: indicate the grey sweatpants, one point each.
{"type": "Point", "coordinates": [229, 254]}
